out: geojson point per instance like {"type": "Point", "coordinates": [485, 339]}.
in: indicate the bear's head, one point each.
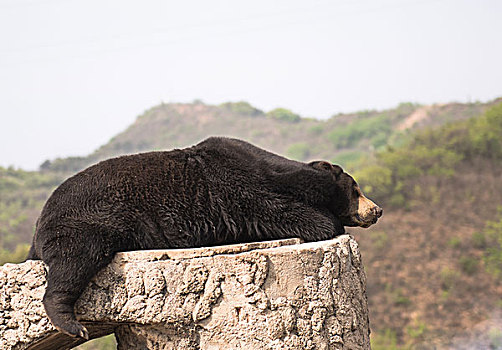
{"type": "Point", "coordinates": [348, 203]}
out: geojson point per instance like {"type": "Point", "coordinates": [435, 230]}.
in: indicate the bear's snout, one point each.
{"type": "Point", "coordinates": [368, 212]}
{"type": "Point", "coordinates": [377, 211]}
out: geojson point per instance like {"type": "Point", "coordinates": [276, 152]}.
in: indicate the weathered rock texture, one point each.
{"type": "Point", "coordinates": [268, 295]}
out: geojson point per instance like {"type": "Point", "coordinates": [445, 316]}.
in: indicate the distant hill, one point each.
{"type": "Point", "coordinates": [343, 138]}
{"type": "Point", "coordinates": [434, 261]}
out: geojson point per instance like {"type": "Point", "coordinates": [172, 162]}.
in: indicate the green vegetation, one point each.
{"type": "Point", "coordinates": [396, 296]}
{"type": "Point", "coordinates": [23, 194]}
{"type": "Point", "coordinates": [68, 165]}
{"type": "Point", "coordinates": [299, 151]}
{"type": "Point", "coordinates": [386, 340]}
{"type": "Point", "coordinates": [468, 265]}
{"type": "Point", "coordinates": [479, 240]}
{"type": "Point", "coordinates": [284, 115]}
{"type": "Point", "coordinates": [492, 234]}
{"type": "Point", "coordinates": [376, 129]}
{"type": "Point", "coordinates": [242, 108]}
{"type": "Point", "coordinates": [455, 242]}
{"type": "Point", "coordinates": [495, 335]}
{"type": "Point", "coordinates": [16, 256]}
{"type": "Point", "coordinates": [104, 343]}
{"type": "Point", "coordinates": [433, 152]}
{"type": "Point", "coordinates": [449, 278]}
{"type": "Point", "coordinates": [316, 129]}
{"type": "Point", "coordinates": [417, 331]}
{"type": "Point", "coordinates": [349, 159]}
{"type": "Point", "coordinates": [379, 239]}
{"type": "Point", "coordinates": [400, 299]}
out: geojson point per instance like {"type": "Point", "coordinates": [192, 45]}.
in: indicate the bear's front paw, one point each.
{"type": "Point", "coordinates": [73, 329]}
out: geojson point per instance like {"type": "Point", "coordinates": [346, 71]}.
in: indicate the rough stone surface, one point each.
{"type": "Point", "coordinates": [266, 295]}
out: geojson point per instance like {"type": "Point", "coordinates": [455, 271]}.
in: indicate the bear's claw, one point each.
{"type": "Point", "coordinates": [75, 330]}
{"type": "Point", "coordinates": [84, 334]}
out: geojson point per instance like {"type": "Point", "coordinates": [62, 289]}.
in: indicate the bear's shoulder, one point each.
{"type": "Point", "coordinates": [225, 149]}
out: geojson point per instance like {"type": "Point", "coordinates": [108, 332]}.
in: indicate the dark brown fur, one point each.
{"type": "Point", "coordinates": [217, 192]}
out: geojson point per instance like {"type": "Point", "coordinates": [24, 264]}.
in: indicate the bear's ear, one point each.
{"type": "Point", "coordinates": [323, 165]}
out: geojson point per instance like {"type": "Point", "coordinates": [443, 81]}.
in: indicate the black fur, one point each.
{"type": "Point", "coordinates": [217, 192]}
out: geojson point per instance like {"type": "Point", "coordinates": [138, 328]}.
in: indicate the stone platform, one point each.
{"type": "Point", "coordinates": [264, 295]}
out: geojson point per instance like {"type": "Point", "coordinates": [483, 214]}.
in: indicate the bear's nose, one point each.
{"type": "Point", "coordinates": [377, 211]}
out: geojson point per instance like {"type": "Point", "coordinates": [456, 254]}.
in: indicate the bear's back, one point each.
{"type": "Point", "coordinates": [128, 181]}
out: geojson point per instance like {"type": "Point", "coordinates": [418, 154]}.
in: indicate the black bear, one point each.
{"type": "Point", "coordinates": [217, 192]}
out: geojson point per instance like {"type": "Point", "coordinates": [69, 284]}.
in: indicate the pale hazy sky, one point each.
{"type": "Point", "coordinates": [73, 73]}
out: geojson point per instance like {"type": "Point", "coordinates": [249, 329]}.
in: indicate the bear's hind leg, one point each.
{"type": "Point", "coordinates": [71, 266]}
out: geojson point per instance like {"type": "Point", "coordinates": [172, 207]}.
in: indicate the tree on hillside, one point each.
{"type": "Point", "coordinates": [284, 114]}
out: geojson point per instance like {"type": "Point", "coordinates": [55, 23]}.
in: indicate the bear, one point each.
{"type": "Point", "coordinates": [220, 191]}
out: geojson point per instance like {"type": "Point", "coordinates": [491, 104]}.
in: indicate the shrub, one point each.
{"type": "Point", "coordinates": [15, 257]}
{"type": "Point", "coordinates": [377, 127]}
{"type": "Point", "coordinates": [376, 180]}
{"type": "Point", "coordinates": [242, 108]}
{"type": "Point", "coordinates": [493, 253]}
{"type": "Point", "coordinates": [379, 239]}
{"type": "Point", "coordinates": [449, 278]}
{"type": "Point", "coordinates": [468, 265]}
{"type": "Point", "coordinates": [495, 336]}
{"type": "Point", "coordinates": [348, 159]}
{"type": "Point", "coordinates": [386, 340]}
{"type": "Point", "coordinates": [417, 331]}
{"type": "Point", "coordinates": [433, 152]}
{"type": "Point", "coordinates": [316, 129]}
{"type": "Point", "coordinates": [479, 240]}
{"type": "Point", "coordinates": [484, 134]}
{"type": "Point", "coordinates": [298, 151]}
{"type": "Point", "coordinates": [284, 114]}
{"type": "Point", "coordinates": [455, 242]}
